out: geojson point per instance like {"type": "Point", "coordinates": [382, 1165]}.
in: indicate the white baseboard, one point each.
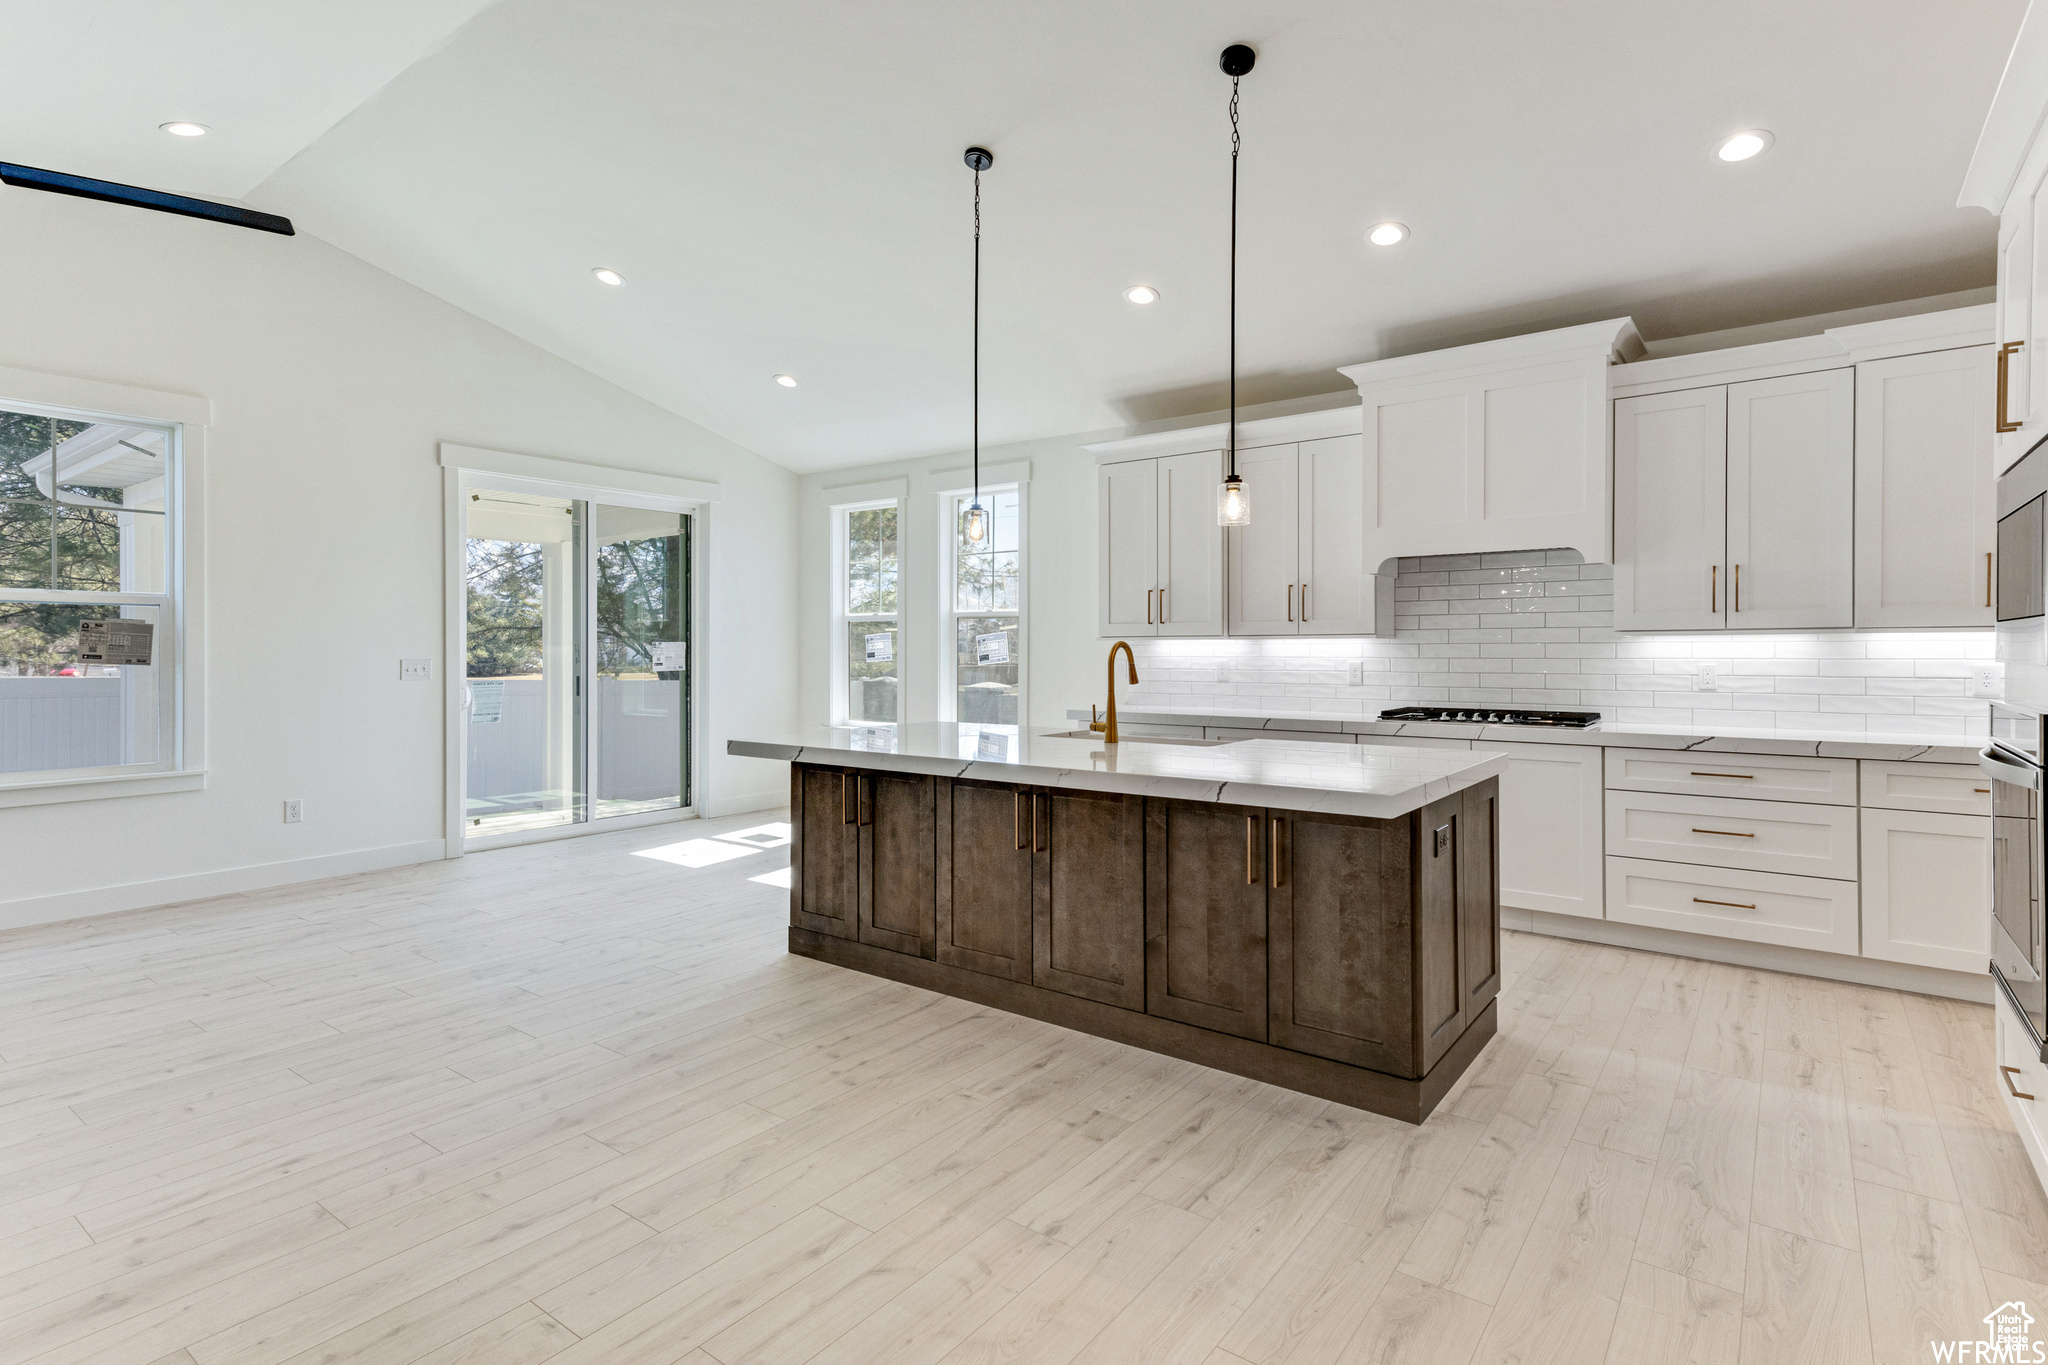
{"type": "Point", "coordinates": [1859, 971]}
{"type": "Point", "coordinates": [775, 798]}
{"type": "Point", "coordinates": [112, 900]}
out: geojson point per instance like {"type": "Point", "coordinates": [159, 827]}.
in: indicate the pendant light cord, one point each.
{"type": "Point", "coordinates": [977, 339]}
{"type": "Point", "coordinates": [1233, 275]}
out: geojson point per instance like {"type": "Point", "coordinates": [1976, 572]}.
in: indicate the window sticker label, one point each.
{"type": "Point", "coordinates": [117, 642]}
{"type": "Point", "coordinates": [486, 702]}
{"type": "Point", "coordinates": [992, 649]}
{"type": "Point", "coordinates": [882, 648]}
{"type": "Point", "coordinates": [992, 745]}
{"type": "Point", "coordinates": [671, 656]}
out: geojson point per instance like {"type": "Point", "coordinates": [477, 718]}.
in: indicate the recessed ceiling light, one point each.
{"type": "Point", "coordinates": [183, 129]}
{"type": "Point", "coordinates": [788, 381]}
{"type": "Point", "coordinates": [1142, 293]}
{"type": "Point", "coordinates": [1744, 145]}
{"type": "Point", "coordinates": [1387, 234]}
{"type": "Point", "coordinates": [606, 275]}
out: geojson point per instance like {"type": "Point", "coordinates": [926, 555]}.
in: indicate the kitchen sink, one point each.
{"type": "Point", "coordinates": [1097, 736]}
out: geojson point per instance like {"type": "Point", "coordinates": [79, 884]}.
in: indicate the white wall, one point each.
{"type": "Point", "coordinates": [331, 385]}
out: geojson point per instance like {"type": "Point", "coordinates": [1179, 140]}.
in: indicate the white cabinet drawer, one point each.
{"type": "Point", "coordinates": [1762, 907]}
{"type": "Point", "coordinates": [1290, 736]}
{"type": "Point", "coordinates": [1764, 836]}
{"type": "Point", "coordinates": [1769, 777]}
{"type": "Point", "coordinates": [1956, 788]}
{"type": "Point", "coordinates": [2025, 1087]}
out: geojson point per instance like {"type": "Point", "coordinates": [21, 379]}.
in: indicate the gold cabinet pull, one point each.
{"type": "Point", "coordinates": [2005, 354]}
{"type": "Point", "coordinates": [1983, 791]}
{"type": "Point", "coordinates": [1714, 592]}
{"type": "Point", "coordinates": [1738, 905]}
{"type": "Point", "coordinates": [1987, 578]}
{"type": "Point", "coordinates": [1304, 601]}
{"type": "Point", "coordinates": [2006, 1073]}
{"type": "Point", "coordinates": [1738, 587]}
{"type": "Point", "coordinates": [1251, 864]}
{"type": "Point", "coordinates": [1746, 777]}
{"type": "Point", "coordinates": [1290, 601]}
{"type": "Point", "coordinates": [1148, 605]}
{"type": "Point", "coordinates": [1276, 850]}
{"type": "Point", "coordinates": [1017, 818]}
{"type": "Point", "coordinates": [1729, 833]}
{"type": "Point", "coordinates": [1162, 606]}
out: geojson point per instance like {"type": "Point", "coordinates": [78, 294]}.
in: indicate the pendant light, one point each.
{"type": "Point", "coordinates": [1233, 503]}
{"type": "Point", "coordinates": [974, 526]}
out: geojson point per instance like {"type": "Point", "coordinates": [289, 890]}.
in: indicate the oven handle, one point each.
{"type": "Point", "coordinates": [2001, 769]}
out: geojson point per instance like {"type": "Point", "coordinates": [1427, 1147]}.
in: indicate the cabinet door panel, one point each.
{"type": "Point", "coordinates": [1265, 558]}
{"type": "Point", "coordinates": [827, 884]}
{"type": "Point", "coordinates": [1088, 896]}
{"type": "Point", "coordinates": [1439, 984]}
{"type": "Point", "coordinates": [1190, 572]}
{"type": "Point", "coordinates": [1337, 594]}
{"type": "Point", "coordinates": [1925, 495]}
{"type": "Point", "coordinates": [1791, 532]}
{"type": "Point", "coordinates": [1671, 510]}
{"type": "Point", "coordinates": [1340, 924]}
{"type": "Point", "coordinates": [1927, 888]}
{"type": "Point", "coordinates": [1551, 835]}
{"type": "Point", "coordinates": [984, 879]}
{"type": "Point", "coordinates": [898, 883]}
{"type": "Point", "coordinates": [1479, 896]}
{"type": "Point", "coordinates": [1128, 506]}
{"type": "Point", "coordinates": [1205, 915]}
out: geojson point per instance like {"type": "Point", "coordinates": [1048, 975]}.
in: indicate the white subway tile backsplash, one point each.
{"type": "Point", "coordinates": [1535, 628]}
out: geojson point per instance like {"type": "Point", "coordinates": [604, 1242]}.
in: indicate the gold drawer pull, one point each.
{"type": "Point", "coordinates": [1701, 900]}
{"type": "Point", "coordinates": [2005, 423]}
{"type": "Point", "coordinates": [1727, 832]}
{"type": "Point", "coordinates": [1747, 777]}
{"type": "Point", "coordinates": [1983, 791]}
{"type": "Point", "coordinates": [2006, 1073]}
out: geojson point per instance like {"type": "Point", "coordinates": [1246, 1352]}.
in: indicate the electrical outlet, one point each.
{"type": "Point", "coordinates": [415, 670]}
{"type": "Point", "coordinates": [1707, 677]}
{"type": "Point", "coordinates": [1223, 673]}
{"type": "Point", "coordinates": [294, 812]}
{"type": "Point", "coordinates": [1357, 675]}
{"type": "Point", "coordinates": [1987, 680]}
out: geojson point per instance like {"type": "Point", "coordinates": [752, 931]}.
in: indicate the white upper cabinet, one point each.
{"type": "Point", "coordinates": [1791, 527]}
{"type": "Point", "coordinates": [1339, 587]}
{"type": "Point", "coordinates": [1190, 545]}
{"type": "Point", "coordinates": [1128, 532]}
{"type": "Point", "coordinates": [1670, 510]}
{"type": "Point", "coordinates": [1498, 446]}
{"type": "Point", "coordinates": [1925, 517]}
{"type": "Point", "coordinates": [1161, 549]}
{"type": "Point", "coordinates": [1265, 556]}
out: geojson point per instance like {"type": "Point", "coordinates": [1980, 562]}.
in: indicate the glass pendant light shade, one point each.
{"type": "Point", "coordinates": [1233, 503]}
{"type": "Point", "coordinates": [974, 525]}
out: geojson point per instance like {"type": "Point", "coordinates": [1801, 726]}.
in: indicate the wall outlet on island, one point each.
{"type": "Point", "coordinates": [1987, 680]}
{"type": "Point", "coordinates": [1707, 677]}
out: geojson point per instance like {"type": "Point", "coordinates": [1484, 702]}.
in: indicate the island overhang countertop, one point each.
{"type": "Point", "coordinates": [1378, 782]}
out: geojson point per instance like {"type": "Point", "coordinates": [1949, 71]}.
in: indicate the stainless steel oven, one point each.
{"type": "Point", "coordinates": [2019, 859]}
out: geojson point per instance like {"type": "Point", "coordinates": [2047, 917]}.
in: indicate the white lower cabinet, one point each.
{"type": "Point", "coordinates": [1761, 907]}
{"type": "Point", "coordinates": [1927, 888]}
{"type": "Point", "coordinates": [1718, 831]}
{"type": "Point", "coordinates": [2023, 1081]}
{"type": "Point", "coordinates": [1550, 827]}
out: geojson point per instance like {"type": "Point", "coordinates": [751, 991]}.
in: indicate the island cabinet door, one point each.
{"type": "Point", "coordinates": [984, 878]}
{"type": "Point", "coordinates": [1088, 895]}
{"type": "Point", "coordinates": [824, 894]}
{"type": "Point", "coordinates": [898, 873]}
{"type": "Point", "coordinates": [1342, 919]}
{"type": "Point", "coordinates": [1479, 896]}
{"type": "Point", "coordinates": [1205, 916]}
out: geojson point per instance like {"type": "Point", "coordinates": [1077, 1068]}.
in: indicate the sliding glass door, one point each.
{"type": "Point", "coordinates": [576, 697]}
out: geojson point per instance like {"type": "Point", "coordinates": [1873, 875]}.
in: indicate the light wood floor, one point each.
{"type": "Point", "coordinates": [567, 1104]}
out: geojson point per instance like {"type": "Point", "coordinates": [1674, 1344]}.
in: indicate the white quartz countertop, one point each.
{"type": "Point", "coordinates": [1375, 781]}
{"type": "Point", "coordinates": [1904, 748]}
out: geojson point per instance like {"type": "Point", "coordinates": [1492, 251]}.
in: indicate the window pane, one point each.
{"type": "Point", "coordinates": [872, 690]}
{"type": "Point", "coordinates": [642, 597]}
{"type": "Point", "coordinates": [871, 560]}
{"type": "Point", "coordinates": [987, 691]}
{"type": "Point", "coordinates": [58, 713]}
{"type": "Point", "coordinates": [89, 549]}
{"type": "Point", "coordinates": [25, 544]}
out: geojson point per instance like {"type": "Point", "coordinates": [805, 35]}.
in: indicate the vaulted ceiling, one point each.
{"type": "Point", "coordinates": [780, 182]}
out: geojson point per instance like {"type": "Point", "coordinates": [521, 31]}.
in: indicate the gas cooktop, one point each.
{"type": "Point", "coordinates": [1494, 715]}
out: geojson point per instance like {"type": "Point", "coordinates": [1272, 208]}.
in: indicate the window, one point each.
{"type": "Point", "coordinates": [86, 536]}
{"type": "Point", "coordinates": [868, 608]}
{"type": "Point", "coordinates": [985, 611]}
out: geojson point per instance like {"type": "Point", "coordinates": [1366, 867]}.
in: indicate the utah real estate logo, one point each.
{"type": "Point", "coordinates": [2009, 1337]}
